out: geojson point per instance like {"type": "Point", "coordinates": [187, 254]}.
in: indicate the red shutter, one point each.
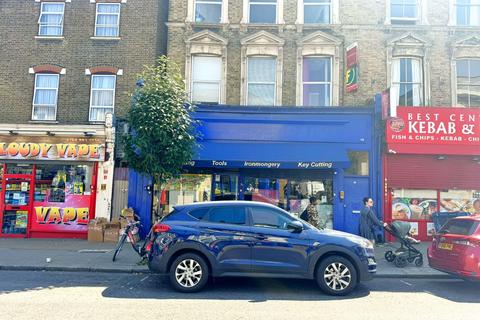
{"type": "Point", "coordinates": [428, 172]}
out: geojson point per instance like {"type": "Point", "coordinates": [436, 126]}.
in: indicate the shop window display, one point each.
{"type": "Point", "coordinates": [17, 199]}
{"type": "Point", "coordinates": [54, 183]}
{"type": "Point", "coordinates": [460, 201]}
{"type": "Point", "coordinates": [188, 188]}
{"type": "Point", "coordinates": [409, 204]}
{"type": "Point", "coordinates": [19, 168]}
{"type": "Point", "coordinates": [292, 195]}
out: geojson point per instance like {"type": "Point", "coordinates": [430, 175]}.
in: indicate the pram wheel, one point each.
{"type": "Point", "coordinates": [400, 261]}
{"type": "Point", "coordinates": [389, 256]}
{"type": "Point", "coordinates": [419, 261]}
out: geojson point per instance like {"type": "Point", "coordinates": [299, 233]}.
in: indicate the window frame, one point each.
{"type": "Point", "coordinates": [42, 13]}
{"type": "Point", "coordinates": [316, 82]}
{"type": "Point", "coordinates": [107, 26]}
{"type": "Point", "coordinates": [402, 19]}
{"type": "Point", "coordinates": [469, 85]}
{"type": "Point", "coordinates": [456, 7]}
{"type": "Point", "coordinates": [214, 2]}
{"type": "Point", "coordinates": [422, 80]}
{"type": "Point", "coordinates": [192, 80]}
{"type": "Point", "coordinates": [91, 96]}
{"type": "Point", "coordinates": [319, 3]}
{"type": "Point", "coordinates": [35, 94]}
{"type": "Point", "coordinates": [277, 11]}
{"type": "Point", "coordinates": [247, 82]}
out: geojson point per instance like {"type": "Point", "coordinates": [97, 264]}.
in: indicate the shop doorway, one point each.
{"type": "Point", "coordinates": [356, 188]}
{"type": "Point", "coordinates": [17, 196]}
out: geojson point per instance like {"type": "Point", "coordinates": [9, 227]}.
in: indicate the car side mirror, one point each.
{"type": "Point", "coordinates": [295, 226]}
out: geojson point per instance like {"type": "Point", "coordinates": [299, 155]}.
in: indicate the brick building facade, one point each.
{"type": "Point", "coordinates": [64, 66]}
{"type": "Point", "coordinates": [435, 33]}
{"type": "Point", "coordinates": [75, 49]}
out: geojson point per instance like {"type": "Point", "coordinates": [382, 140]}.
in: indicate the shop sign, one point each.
{"type": "Point", "coordinates": [70, 215]}
{"type": "Point", "coordinates": [57, 215]}
{"type": "Point", "coordinates": [52, 148]}
{"type": "Point", "coordinates": [438, 126]}
{"type": "Point", "coordinates": [261, 164]}
{"type": "Point", "coordinates": [351, 73]}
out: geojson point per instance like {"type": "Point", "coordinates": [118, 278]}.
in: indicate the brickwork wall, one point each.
{"type": "Point", "coordinates": [140, 43]}
{"type": "Point", "coordinates": [364, 24]}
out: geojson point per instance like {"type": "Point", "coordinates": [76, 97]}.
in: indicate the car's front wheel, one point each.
{"type": "Point", "coordinates": [189, 273]}
{"type": "Point", "coordinates": [336, 276]}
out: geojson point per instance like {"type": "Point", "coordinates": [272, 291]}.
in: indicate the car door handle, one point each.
{"type": "Point", "coordinates": [260, 237]}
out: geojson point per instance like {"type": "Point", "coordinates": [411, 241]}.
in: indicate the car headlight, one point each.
{"type": "Point", "coordinates": [364, 243]}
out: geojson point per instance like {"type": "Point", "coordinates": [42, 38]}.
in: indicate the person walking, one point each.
{"type": "Point", "coordinates": [368, 220]}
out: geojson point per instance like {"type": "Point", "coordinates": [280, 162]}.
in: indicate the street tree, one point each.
{"type": "Point", "coordinates": [162, 136]}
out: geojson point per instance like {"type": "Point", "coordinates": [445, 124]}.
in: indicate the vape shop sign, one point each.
{"type": "Point", "coordinates": [52, 148]}
{"type": "Point", "coordinates": [439, 126]}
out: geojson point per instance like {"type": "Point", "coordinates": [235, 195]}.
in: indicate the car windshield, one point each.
{"type": "Point", "coordinates": [462, 227]}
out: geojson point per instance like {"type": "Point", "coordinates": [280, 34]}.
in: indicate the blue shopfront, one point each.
{"type": "Point", "coordinates": [282, 156]}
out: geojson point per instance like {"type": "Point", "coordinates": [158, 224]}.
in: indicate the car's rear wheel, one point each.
{"type": "Point", "coordinates": [336, 276]}
{"type": "Point", "coordinates": [189, 273]}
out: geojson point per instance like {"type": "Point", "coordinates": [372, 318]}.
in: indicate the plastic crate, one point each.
{"type": "Point", "coordinates": [440, 218]}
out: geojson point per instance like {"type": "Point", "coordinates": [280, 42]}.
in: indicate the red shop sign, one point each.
{"type": "Point", "coordinates": [435, 126]}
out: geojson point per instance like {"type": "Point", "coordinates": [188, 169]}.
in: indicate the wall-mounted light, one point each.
{"type": "Point", "coordinates": [13, 133]}
{"type": "Point", "coordinates": [50, 133]}
{"type": "Point", "coordinates": [88, 133]}
{"type": "Point", "coordinates": [441, 157]}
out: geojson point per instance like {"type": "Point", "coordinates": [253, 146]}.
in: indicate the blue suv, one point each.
{"type": "Point", "coordinates": [253, 239]}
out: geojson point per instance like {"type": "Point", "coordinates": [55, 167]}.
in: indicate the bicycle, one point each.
{"type": "Point", "coordinates": [128, 231]}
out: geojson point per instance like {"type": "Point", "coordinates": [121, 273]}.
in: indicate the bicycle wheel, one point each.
{"type": "Point", "coordinates": [119, 246]}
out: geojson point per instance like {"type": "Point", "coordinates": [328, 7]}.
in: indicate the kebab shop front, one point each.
{"type": "Point", "coordinates": [48, 185]}
{"type": "Point", "coordinates": [432, 164]}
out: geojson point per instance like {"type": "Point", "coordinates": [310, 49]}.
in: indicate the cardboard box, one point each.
{"type": "Point", "coordinates": [95, 230]}
{"type": "Point", "coordinates": [111, 231]}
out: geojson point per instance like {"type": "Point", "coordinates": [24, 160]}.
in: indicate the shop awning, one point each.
{"type": "Point", "coordinates": [271, 155]}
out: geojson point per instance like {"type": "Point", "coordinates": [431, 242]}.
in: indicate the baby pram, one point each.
{"type": "Point", "coordinates": [407, 252]}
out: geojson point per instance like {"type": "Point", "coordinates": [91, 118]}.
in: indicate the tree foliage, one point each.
{"type": "Point", "coordinates": [162, 135]}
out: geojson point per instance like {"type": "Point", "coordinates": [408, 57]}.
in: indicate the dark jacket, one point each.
{"type": "Point", "coordinates": [368, 221]}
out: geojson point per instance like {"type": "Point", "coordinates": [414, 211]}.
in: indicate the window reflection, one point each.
{"type": "Point", "coordinates": [292, 195]}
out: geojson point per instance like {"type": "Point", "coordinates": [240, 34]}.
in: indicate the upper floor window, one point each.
{"type": "Point", "coordinates": [317, 11]}
{"type": "Point", "coordinates": [107, 20]}
{"type": "Point", "coordinates": [468, 82]}
{"type": "Point", "coordinates": [317, 81]}
{"type": "Point", "coordinates": [208, 11]}
{"type": "Point", "coordinates": [407, 82]}
{"type": "Point", "coordinates": [263, 11]}
{"type": "Point", "coordinates": [50, 21]}
{"type": "Point", "coordinates": [467, 12]}
{"type": "Point", "coordinates": [102, 96]}
{"type": "Point", "coordinates": [45, 96]}
{"type": "Point", "coordinates": [206, 79]}
{"type": "Point", "coordinates": [404, 11]}
{"type": "Point", "coordinates": [261, 80]}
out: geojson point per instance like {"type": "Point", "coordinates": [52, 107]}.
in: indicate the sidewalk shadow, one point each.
{"type": "Point", "coordinates": [150, 286]}
{"type": "Point", "coordinates": [157, 287]}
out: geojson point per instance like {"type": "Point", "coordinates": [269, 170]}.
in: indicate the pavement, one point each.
{"type": "Point", "coordinates": [84, 256]}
